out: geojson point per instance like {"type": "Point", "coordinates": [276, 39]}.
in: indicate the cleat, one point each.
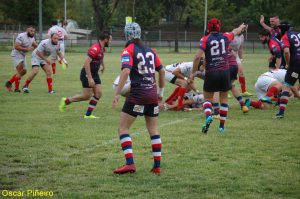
{"type": "Point", "coordinates": [266, 100]}
{"type": "Point", "coordinates": [51, 92]}
{"type": "Point", "coordinates": [221, 130]}
{"type": "Point", "coordinates": [217, 117]}
{"type": "Point", "coordinates": [25, 90]}
{"type": "Point", "coordinates": [90, 117]}
{"type": "Point", "coordinates": [205, 127]}
{"type": "Point", "coordinates": [8, 86]}
{"type": "Point", "coordinates": [246, 94]}
{"type": "Point", "coordinates": [17, 91]}
{"type": "Point", "coordinates": [278, 116]}
{"type": "Point", "coordinates": [125, 169]}
{"type": "Point", "coordinates": [62, 105]}
{"type": "Point", "coordinates": [248, 102]}
{"type": "Point", "coordinates": [245, 109]}
{"type": "Point", "coordinates": [155, 170]}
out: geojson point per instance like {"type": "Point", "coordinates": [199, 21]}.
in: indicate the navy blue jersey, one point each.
{"type": "Point", "coordinates": [215, 46]}
{"type": "Point", "coordinates": [143, 62]}
{"type": "Point", "coordinates": [291, 40]}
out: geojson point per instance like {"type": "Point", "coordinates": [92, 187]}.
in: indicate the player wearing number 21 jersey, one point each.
{"type": "Point", "coordinates": [140, 63]}
{"type": "Point", "coordinates": [217, 74]}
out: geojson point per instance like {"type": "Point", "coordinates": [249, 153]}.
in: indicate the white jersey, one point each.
{"type": "Point", "coordinates": [25, 41]}
{"type": "Point", "coordinates": [126, 87]}
{"type": "Point", "coordinates": [61, 32]}
{"type": "Point", "coordinates": [276, 74]}
{"type": "Point", "coordinates": [47, 48]}
{"type": "Point", "coordinates": [197, 98]}
{"type": "Point", "coordinates": [185, 68]}
{"type": "Point", "coordinates": [237, 42]}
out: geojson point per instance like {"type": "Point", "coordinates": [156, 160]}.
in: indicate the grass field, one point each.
{"type": "Point", "coordinates": [43, 149]}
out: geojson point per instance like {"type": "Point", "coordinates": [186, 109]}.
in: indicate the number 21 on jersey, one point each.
{"type": "Point", "coordinates": [215, 47]}
{"type": "Point", "coordinates": [143, 69]}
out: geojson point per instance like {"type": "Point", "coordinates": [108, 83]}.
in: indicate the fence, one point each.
{"type": "Point", "coordinates": [163, 40]}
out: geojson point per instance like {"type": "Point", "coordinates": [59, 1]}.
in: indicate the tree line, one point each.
{"type": "Point", "coordinates": [102, 14]}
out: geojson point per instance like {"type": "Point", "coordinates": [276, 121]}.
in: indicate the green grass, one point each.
{"type": "Point", "coordinates": [41, 148]}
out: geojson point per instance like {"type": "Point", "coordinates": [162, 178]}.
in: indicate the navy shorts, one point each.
{"type": "Point", "coordinates": [84, 79]}
{"type": "Point", "coordinates": [233, 72]}
{"type": "Point", "coordinates": [217, 81]}
{"type": "Point", "coordinates": [151, 110]}
{"type": "Point", "coordinates": [292, 75]}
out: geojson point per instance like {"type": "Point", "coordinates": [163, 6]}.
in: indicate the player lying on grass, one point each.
{"type": "Point", "coordinates": [192, 101]}
{"type": "Point", "coordinates": [90, 78]}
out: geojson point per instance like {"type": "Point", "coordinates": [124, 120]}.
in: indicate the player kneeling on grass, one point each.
{"type": "Point", "coordinates": [140, 63]}
{"type": "Point", "coordinates": [89, 77]}
{"type": "Point", "coordinates": [40, 58]}
{"type": "Point", "coordinates": [268, 86]}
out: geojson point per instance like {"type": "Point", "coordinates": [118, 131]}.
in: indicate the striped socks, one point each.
{"type": "Point", "coordinates": [216, 108]}
{"type": "Point", "coordinates": [284, 99]}
{"type": "Point", "coordinates": [126, 144]}
{"type": "Point", "coordinates": [156, 150]}
{"type": "Point", "coordinates": [207, 107]}
{"type": "Point", "coordinates": [223, 114]}
{"type": "Point", "coordinates": [240, 99]}
{"type": "Point", "coordinates": [93, 102]}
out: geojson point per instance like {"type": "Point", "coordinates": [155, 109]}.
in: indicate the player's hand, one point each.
{"type": "Point", "coordinates": [30, 49]}
{"type": "Point", "coordinates": [91, 82]}
{"type": "Point", "coordinates": [262, 19]}
{"type": "Point", "coordinates": [102, 70]}
{"type": "Point", "coordinates": [115, 101]}
{"type": "Point", "coordinates": [159, 98]}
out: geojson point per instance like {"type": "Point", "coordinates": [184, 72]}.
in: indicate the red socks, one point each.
{"type": "Point", "coordinates": [273, 91]}
{"type": "Point", "coordinates": [53, 68]}
{"type": "Point", "coordinates": [173, 96]}
{"type": "Point", "coordinates": [13, 78]}
{"type": "Point", "coordinates": [181, 93]}
{"type": "Point", "coordinates": [242, 81]}
{"type": "Point", "coordinates": [256, 104]}
{"type": "Point", "coordinates": [27, 83]}
{"type": "Point", "coordinates": [17, 83]}
{"type": "Point", "coordinates": [49, 81]}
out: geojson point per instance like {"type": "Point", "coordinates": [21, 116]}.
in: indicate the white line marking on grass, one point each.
{"type": "Point", "coordinates": [87, 149]}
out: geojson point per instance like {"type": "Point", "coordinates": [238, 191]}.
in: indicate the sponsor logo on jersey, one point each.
{"type": "Point", "coordinates": [125, 58]}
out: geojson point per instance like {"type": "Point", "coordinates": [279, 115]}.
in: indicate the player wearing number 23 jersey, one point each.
{"type": "Point", "coordinates": [143, 62]}
{"type": "Point", "coordinates": [139, 62]}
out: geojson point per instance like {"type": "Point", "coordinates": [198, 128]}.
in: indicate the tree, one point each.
{"type": "Point", "coordinates": [175, 9]}
{"type": "Point", "coordinates": [104, 10]}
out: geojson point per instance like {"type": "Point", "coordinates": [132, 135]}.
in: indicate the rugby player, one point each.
{"type": "Point", "coordinates": [140, 63]}
{"type": "Point", "coordinates": [89, 77]}
{"type": "Point", "coordinates": [24, 43]}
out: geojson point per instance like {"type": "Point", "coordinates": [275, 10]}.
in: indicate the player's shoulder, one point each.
{"type": "Point", "coordinates": [22, 35]}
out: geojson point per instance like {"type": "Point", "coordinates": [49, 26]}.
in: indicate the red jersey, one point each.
{"type": "Point", "coordinates": [96, 53]}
